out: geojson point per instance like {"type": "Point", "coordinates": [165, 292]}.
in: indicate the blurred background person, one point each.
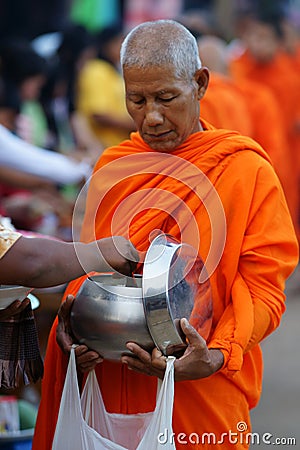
{"type": "Point", "coordinates": [266, 62]}
{"type": "Point", "coordinates": [69, 129]}
{"type": "Point", "coordinates": [223, 106]}
{"type": "Point", "coordinates": [251, 106]}
{"type": "Point", "coordinates": [33, 179]}
{"type": "Point", "coordinates": [100, 90]}
{"type": "Point", "coordinates": [25, 72]}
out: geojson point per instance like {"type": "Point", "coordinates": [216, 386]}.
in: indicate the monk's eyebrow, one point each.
{"type": "Point", "coordinates": [134, 93]}
{"type": "Point", "coordinates": [155, 93]}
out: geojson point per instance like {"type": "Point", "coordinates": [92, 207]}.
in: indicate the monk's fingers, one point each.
{"type": "Point", "coordinates": [65, 309]}
{"type": "Point", "coordinates": [196, 362]}
{"type": "Point", "coordinates": [89, 365]}
{"type": "Point", "coordinates": [139, 366]}
{"type": "Point", "coordinates": [86, 359]}
{"type": "Point", "coordinates": [138, 351]}
{"type": "Point", "coordinates": [159, 360]}
{"type": "Point", "coordinates": [144, 362]}
{"type": "Point", "coordinates": [83, 353]}
{"type": "Point", "coordinates": [63, 339]}
{"type": "Point", "coordinates": [193, 337]}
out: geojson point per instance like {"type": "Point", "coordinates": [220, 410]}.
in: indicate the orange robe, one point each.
{"type": "Point", "coordinates": [250, 107]}
{"type": "Point", "coordinates": [280, 77]}
{"type": "Point", "coordinates": [260, 251]}
{"type": "Point", "coordinates": [264, 110]}
{"type": "Point", "coordinates": [224, 106]}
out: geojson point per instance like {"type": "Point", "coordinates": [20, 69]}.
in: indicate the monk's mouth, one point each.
{"type": "Point", "coordinates": [157, 137]}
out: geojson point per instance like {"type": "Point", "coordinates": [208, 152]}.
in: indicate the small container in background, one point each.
{"type": "Point", "coordinates": [9, 414]}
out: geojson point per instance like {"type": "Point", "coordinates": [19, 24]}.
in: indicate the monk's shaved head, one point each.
{"type": "Point", "coordinates": [161, 43]}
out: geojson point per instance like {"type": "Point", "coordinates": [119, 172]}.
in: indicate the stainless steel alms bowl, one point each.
{"type": "Point", "coordinates": [111, 310]}
{"type": "Point", "coordinates": [106, 314]}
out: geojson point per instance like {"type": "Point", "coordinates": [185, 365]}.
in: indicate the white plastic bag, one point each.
{"type": "Point", "coordinates": [86, 425]}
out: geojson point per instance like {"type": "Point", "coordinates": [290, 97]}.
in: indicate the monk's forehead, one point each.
{"type": "Point", "coordinates": [158, 79]}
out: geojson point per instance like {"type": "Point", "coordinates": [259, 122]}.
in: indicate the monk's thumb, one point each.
{"type": "Point", "coordinates": [65, 307]}
{"type": "Point", "coordinates": [191, 334]}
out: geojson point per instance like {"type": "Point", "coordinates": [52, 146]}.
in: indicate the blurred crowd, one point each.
{"type": "Point", "coordinates": [62, 94]}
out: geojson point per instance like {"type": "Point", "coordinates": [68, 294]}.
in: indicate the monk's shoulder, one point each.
{"type": "Point", "coordinates": [246, 171]}
{"type": "Point", "coordinates": [249, 161]}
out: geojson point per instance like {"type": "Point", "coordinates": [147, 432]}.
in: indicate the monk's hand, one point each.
{"type": "Point", "coordinates": [14, 308]}
{"type": "Point", "coordinates": [198, 361]}
{"type": "Point", "coordinates": [119, 254]}
{"type": "Point", "coordinates": [153, 364]}
{"type": "Point", "coordinates": [86, 359]}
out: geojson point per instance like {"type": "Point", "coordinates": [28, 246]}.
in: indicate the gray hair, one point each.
{"type": "Point", "coordinates": [161, 43]}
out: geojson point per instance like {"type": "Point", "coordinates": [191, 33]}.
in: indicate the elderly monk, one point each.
{"type": "Point", "coordinates": [215, 190]}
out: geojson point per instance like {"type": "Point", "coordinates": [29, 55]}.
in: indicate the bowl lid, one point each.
{"type": "Point", "coordinates": [170, 289]}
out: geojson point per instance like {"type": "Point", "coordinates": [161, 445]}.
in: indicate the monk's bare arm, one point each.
{"type": "Point", "coordinates": [40, 262]}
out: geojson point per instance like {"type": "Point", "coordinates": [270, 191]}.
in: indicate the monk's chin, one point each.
{"type": "Point", "coordinates": [163, 146]}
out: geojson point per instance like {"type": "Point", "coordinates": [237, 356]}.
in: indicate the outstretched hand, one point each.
{"type": "Point", "coordinates": [198, 361]}
{"type": "Point", "coordinates": [119, 254]}
{"type": "Point", "coordinates": [86, 359]}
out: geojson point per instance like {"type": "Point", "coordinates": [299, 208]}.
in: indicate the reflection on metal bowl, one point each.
{"type": "Point", "coordinates": [111, 310]}
{"type": "Point", "coordinates": [171, 291]}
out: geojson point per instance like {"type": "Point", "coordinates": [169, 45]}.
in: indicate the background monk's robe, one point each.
{"type": "Point", "coordinates": [279, 76]}
{"type": "Point", "coordinates": [247, 286]}
{"type": "Point", "coordinates": [269, 131]}
{"type": "Point", "coordinates": [250, 108]}
{"type": "Point", "coordinates": [224, 106]}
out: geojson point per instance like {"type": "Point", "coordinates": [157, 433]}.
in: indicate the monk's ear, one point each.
{"type": "Point", "coordinates": [202, 78]}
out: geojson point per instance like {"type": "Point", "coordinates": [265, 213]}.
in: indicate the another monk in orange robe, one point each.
{"type": "Point", "coordinates": [278, 75]}
{"type": "Point", "coordinates": [214, 189]}
{"type": "Point", "coordinates": [261, 109]}
{"type": "Point", "coordinates": [269, 131]}
{"type": "Point", "coordinates": [224, 106]}
{"type": "Point", "coordinates": [265, 62]}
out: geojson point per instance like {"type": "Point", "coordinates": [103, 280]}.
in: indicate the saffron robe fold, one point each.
{"type": "Point", "coordinates": [218, 191]}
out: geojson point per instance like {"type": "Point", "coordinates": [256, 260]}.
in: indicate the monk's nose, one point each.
{"type": "Point", "coordinates": [153, 117]}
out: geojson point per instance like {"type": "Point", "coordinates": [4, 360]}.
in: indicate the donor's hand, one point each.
{"type": "Point", "coordinates": [86, 359]}
{"type": "Point", "coordinates": [14, 308]}
{"type": "Point", "coordinates": [118, 254]}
